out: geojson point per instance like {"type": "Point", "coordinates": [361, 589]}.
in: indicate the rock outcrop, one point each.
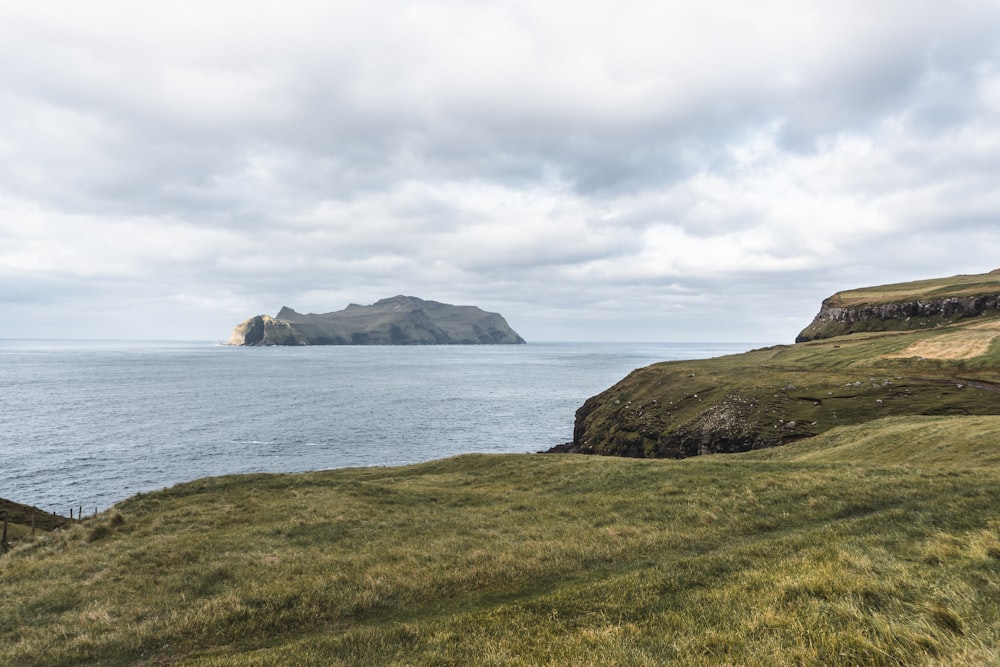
{"type": "Point", "coordinates": [265, 330]}
{"type": "Point", "coordinates": [773, 396]}
{"type": "Point", "coordinates": [904, 307]}
{"type": "Point", "coordinates": [399, 320]}
{"type": "Point", "coordinates": [833, 320]}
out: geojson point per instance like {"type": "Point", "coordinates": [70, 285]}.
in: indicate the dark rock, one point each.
{"type": "Point", "coordinates": [833, 320]}
{"type": "Point", "coordinates": [564, 448]}
{"type": "Point", "coordinates": [777, 395]}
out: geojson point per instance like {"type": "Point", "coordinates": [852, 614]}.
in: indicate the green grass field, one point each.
{"type": "Point", "coordinates": [873, 546]}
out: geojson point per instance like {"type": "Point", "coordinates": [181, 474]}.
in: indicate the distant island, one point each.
{"type": "Point", "coordinates": [399, 320]}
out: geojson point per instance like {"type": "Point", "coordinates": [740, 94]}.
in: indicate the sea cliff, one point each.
{"type": "Point", "coordinates": [904, 306]}
{"type": "Point", "coordinates": [893, 355]}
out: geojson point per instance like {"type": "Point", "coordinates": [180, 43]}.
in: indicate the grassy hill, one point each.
{"type": "Point", "coordinates": [25, 520]}
{"type": "Point", "coordinates": [934, 288]}
{"type": "Point", "coordinates": [871, 538]}
{"type": "Point", "coordinates": [921, 304]}
{"type": "Point", "coordinates": [870, 545]}
{"type": "Point", "coordinates": [782, 394]}
{"type": "Point", "coordinates": [26, 515]}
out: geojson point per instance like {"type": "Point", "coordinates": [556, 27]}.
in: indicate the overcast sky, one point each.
{"type": "Point", "coordinates": [619, 170]}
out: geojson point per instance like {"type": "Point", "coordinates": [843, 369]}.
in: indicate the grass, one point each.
{"type": "Point", "coordinates": [910, 441]}
{"type": "Point", "coordinates": [820, 555]}
{"type": "Point", "coordinates": [786, 393]}
{"type": "Point", "coordinates": [916, 305]}
{"type": "Point", "coordinates": [871, 538]}
{"type": "Point", "coordinates": [935, 288]}
{"type": "Point", "coordinates": [23, 521]}
{"type": "Point", "coordinates": [26, 516]}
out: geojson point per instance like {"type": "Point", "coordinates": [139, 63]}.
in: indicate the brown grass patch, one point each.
{"type": "Point", "coordinates": [971, 342]}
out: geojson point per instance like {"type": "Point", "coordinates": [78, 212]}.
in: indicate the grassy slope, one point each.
{"type": "Point", "coordinates": [899, 305]}
{"type": "Point", "coordinates": [876, 542]}
{"type": "Point", "coordinates": [915, 441]}
{"type": "Point", "coordinates": [25, 516]}
{"type": "Point", "coordinates": [819, 553]}
{"type": "Point", "coordinates": [935, 288]}
{"type": "Point", "coordinates": [776, 395]}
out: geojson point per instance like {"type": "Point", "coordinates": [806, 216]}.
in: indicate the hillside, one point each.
{"type": "Point", "coordinates": [871, 538]}
{"type": "Point", "coordinates": [778, 395]}
{"type": "Point", "coordinates": [919, 304]}
{"type": "Point", "coordinates": [810, 554]}
{"type": "Point", "coordinates": [400, 320]}
{"type": "Point", "coordinates": [25, 520]}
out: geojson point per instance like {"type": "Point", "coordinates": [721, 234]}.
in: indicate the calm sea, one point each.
{"type": "Point", "coordinates": [91, 423]}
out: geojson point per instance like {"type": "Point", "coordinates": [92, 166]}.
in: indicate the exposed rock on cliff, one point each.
{"type": "Point", "coordinates": [776, 395]}
{"type": "Point", "coordinates": [265, 330]}
{"type": "Point", "coordinates": [400, 320]}
{"type": "Point", "coordinates": [905, 306]}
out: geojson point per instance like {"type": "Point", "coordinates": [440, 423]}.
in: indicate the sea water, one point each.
{"type": "Point", "coordinates": [91, 423]}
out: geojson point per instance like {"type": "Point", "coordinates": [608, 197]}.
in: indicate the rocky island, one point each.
{"type": "Point", "coordinates": [927, 347]}
{"type": "Point", "coordinates": [399, 320]}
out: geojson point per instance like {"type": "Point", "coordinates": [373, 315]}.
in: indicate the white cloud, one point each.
{"type": "Point", "coordinates": [647, 164]}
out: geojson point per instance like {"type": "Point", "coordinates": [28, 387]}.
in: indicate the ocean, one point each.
{"type": "Point", "coordinates": [87, 424]}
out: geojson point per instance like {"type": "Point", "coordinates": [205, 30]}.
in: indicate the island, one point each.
{"type": "Point", "coordinates": [398, 320]}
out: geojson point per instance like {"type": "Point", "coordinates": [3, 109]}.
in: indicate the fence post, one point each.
{"type": "Point", "coordinates": [3, 540]}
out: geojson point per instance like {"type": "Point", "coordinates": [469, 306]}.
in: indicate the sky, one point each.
{"type": "Point", "coordinates": [592, 170]}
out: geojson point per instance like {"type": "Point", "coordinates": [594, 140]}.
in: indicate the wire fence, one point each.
{"type": "Point", "coordinates": [20, 520]}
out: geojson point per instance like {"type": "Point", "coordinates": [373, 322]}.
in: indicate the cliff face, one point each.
{"type": "Point", "coordinates": [921, 304]}
{"type": "Point", "coordinates": [265, 330]}
{"type": "Point", "coordinates": [774, 396]}
{"type": "Point", "coordinates": [939, 355]}
{"type": "Point", "coordinates": [833, 320]}
{"type": "Point", "coordinates": [400, 320]}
